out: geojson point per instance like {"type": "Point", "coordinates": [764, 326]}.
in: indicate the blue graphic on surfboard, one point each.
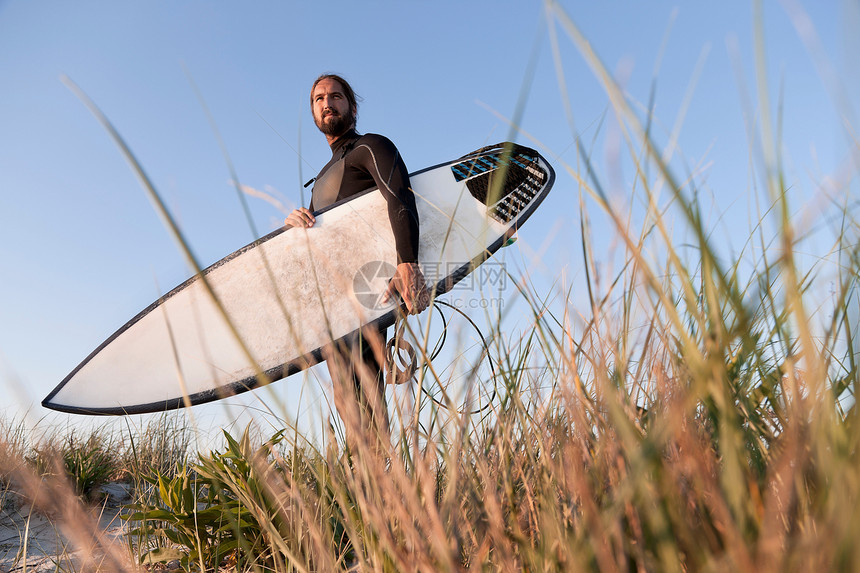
{"type": "Point", "coordinates": [293, 292]}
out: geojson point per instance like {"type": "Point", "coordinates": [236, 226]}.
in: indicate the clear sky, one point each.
{"type": "Point", "coordinates": [83, 250]}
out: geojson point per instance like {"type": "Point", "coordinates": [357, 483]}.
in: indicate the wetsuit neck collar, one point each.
{"type": "Point", "coordinates": [343, 140]}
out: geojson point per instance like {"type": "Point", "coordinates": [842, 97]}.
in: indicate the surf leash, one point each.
{"type": "Point", "coordinates": [401, 359]}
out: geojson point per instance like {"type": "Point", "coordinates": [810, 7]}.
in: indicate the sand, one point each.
{"type": "Point", "coordinates": [31, 540]}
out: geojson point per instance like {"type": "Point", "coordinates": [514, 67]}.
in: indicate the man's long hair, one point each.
{"type": "Point", "coordinates": [347, 91]}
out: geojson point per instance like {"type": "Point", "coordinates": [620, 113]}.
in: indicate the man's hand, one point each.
{"type": "Point", "coordinates": [408, 282]}
{"type": "Point", "coordinates": [300, 218]}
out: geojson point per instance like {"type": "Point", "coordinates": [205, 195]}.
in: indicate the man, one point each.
{"type": "Point", "coordinates": [358, 163]}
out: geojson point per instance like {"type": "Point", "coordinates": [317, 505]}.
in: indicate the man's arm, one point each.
{"type": "Point", "coordinates": [378, 156]}
{"type": "Point", "coordinates": [382, 160]}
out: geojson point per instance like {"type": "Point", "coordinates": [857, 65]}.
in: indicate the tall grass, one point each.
{"type": "Point", "coordinates": [53, 509]}
{"type": "Point", "coordinates": [698, 415]}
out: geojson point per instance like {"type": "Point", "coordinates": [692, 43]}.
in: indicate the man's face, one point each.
{"type": "Point", "coordinates": [332, 113]}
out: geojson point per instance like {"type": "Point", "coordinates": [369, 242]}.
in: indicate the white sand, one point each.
{"type": "Point", "coordinates": [34, 541]}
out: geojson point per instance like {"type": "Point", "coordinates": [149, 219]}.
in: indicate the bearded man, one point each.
{"type": "Point", "coordinates": [358, 163]}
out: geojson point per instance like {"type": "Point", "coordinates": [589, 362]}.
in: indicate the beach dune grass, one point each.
{"type": "Point", "coordinates": [696, 415]}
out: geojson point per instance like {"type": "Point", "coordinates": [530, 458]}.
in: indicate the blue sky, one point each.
{"type": "Point", "coordinates": [83, 250]}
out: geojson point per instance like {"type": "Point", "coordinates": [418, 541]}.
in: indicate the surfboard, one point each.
{"type": "Point", "coordinates": [281, 300]}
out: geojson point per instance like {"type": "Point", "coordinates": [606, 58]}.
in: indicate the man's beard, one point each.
{"type": "Point", "coordinates": [334, 125]}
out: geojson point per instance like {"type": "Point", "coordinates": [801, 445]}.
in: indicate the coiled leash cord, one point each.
{"type": "Point", "coordinates": [399, 349]}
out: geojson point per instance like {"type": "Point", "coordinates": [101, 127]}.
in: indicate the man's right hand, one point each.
{"type": "Point", "coordinates": [300, 218]}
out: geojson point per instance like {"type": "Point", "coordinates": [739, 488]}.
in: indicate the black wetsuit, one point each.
{"type": "Point", "coordinates": [359, 163]}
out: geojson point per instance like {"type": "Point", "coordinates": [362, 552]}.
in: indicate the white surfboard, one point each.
{"type": "Point", "coordinates": [295, 291]}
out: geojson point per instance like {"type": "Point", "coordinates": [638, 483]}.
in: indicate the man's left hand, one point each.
{"type": "Point", "coordinates": [408, 282]}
